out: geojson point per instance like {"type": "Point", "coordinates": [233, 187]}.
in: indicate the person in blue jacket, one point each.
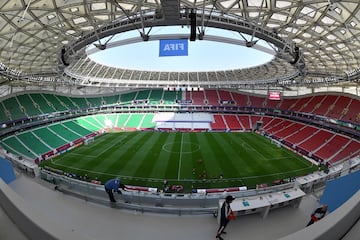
{"type": "Point", "coordinates": [113, 185]}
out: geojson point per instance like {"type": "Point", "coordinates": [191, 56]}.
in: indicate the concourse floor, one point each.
{"type": "Point", "coordinates": [105, 223]}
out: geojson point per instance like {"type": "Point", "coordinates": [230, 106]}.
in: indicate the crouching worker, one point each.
{"type": "Point", "coordinates": [113, 185]}
{"type": "Point", "coordinates": [318, 214]}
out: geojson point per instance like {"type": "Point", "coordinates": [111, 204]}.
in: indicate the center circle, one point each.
{"type": "Point", "coordinates": [186, 147]}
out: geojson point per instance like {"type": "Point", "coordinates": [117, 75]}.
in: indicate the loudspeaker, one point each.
{"type": "Point", "coordinates": [192, 16]}
{"type": "Point", "coordinates": [63, 60]}
{"type": "Point", "coordinates": [297, 55]}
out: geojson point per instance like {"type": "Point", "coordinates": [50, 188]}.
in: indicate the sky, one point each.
{"type": "Point", "coordinates": [202, 55]}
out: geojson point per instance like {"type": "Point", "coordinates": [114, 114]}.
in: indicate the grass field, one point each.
{"type": "Point", "coordinates": [147, 158]}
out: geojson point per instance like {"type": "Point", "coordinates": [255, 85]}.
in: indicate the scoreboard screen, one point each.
{"type": "Point", "coordinates": [274, 95]}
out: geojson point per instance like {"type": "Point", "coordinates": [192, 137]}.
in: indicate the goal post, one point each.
{"type": "Point", "coordinates": [257, 126]}
{"type": "Point", "coordinates": [89, 140]}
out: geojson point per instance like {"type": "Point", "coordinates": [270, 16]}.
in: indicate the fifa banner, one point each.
{"type": "Point", "coordinates": [173, 47]}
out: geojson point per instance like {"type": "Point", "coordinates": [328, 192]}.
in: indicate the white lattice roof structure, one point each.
{"type": "Point", "coordinates": [44, 41]}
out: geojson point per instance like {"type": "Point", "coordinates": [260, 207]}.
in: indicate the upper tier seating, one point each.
{"type": "Point", "coordinates": [272, 104]}
{"type": "Point", "coordinates": [300, 104]}
{"type": "Point", "coordinates": [95, 101]}
{"type": "Point", "coordinates": [30, 109]}
{"type": "Point", "coordinates": [331, 105]}
{"type": "Point", "coordinates": [225, 96]}
{"type": "Point", "coordinates": [336, 108]}
{"type": "Point", "coordinates": [241, 99]}
{"type": "Point", "coordinates": [170, 97]}
{"type": "Point", "coordinates": [197, 97]}
{"type": "Point", "coordinates": [351, 112]}
{"type": "Point", "coordinates": [66, 101]}
{"type": "Point", "coordinates": [80, 103]}
{"type": "Point", "coordinates": [212, 97]}
{"type": "Point", "coordinates": [143, 95]}
{"type": "Point", "coordinates": [13, 108]}
{"type": "Point", "coordinates": [257, 101]}
{"type": "Point", "coordinates": [288, 104]}
{"type": "Point", "coordinates": [111, 100]}
{"type": "Point", "coordinates": [156, 96]}
{"type": "Point", "coordinates": [4, 114]}
{"type": "Point", "coordinates": [127, 98]}
{"type": "Point", "coordinates": [323, 107]}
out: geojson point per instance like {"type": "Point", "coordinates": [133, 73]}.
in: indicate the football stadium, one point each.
{"type": "Point", "coordinates": [186, 103]}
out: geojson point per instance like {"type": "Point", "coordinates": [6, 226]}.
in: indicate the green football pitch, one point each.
{"type": "Point", "coordinates": [193, 160]}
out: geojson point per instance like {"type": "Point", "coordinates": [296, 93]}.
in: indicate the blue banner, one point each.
{"type": "Point", "coordinates": [173, 47]}
{"type": "Point", "coordinates": [7, 172]}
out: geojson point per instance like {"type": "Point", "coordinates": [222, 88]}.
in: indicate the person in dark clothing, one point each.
{"type": "Point", "coordinates": [318, 214]}
{"type": "Point", "coordinates": [225, 213]}
{"type": "Point", "coordinates": [113, 185]}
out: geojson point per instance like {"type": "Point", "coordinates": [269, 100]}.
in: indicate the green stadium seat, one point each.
{"type": "Point", "coordinates": [73, 126]}
{"type": "Point", "coordinates": [109, 100]}
{"type": "Point", "coordinates": [55, 102]}
{"type": "Point", "coordinates": [50, 137]}
{"type": "Point", "coordinates": [66, 101]}
{"type": "Point", "coordinates": [13, 145]}
{"type": "Point", "coordinates": [80, 102]}
{"type": "Point", "coordinates": [143, 95]}
{"type": "Point", "coordinates": [43, 104]}
{"type": "Point", "coordinates": [34, 143]}
{"type": "Point", "coordinates": [156, 96]}
{"type": "Point", "coordinates": [148, 121]}
{"type": "Point", "coordinates": [13, 107]}
{"type": "Point", "coordinates": [90, 123]}
{"type": "Point", "coordinates": [95, 101]}
{"type": "Point", "coordinates": [169, 97]}
{"type": "Point", "coordinates": [127, 98]}
{"type": "Point", "coordinates": [28, 104]}
{"type": "Point", "coordinates": [4, 114]}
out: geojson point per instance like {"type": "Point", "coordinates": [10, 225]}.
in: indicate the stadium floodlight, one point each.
{"type": "Point", "coordinates": [144, 36]}
{"type": "Point", "coordinates": [251, 43]}
{"type": "Point", "coordinates": [100, 46]}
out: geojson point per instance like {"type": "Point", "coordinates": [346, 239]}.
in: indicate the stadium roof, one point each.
{"type": "Point", "coordinates": [45, 40]}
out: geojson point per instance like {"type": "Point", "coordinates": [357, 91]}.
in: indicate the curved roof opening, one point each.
{"type": "Point", "coordinates": [225, 51]}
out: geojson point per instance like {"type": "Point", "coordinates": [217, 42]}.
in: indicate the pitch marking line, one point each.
{"type": "Point", "coordinates": [251, 148]}
{"type": "Point", "coordinates": [180, 156]}
{"type": "Point", "coordinates": [279, 158]}
{"type": "Point", "coordinates": [159, 179]}
{"type": "Point", "coordinates": [82, 155]}
{"type": "Point", "coordinates": [106, 149]}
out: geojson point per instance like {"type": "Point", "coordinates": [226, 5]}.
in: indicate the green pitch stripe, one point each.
{"type": "Point", "coordinates": [148, 157]}
{"type": "Point", "coordinates": [164, 157]}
